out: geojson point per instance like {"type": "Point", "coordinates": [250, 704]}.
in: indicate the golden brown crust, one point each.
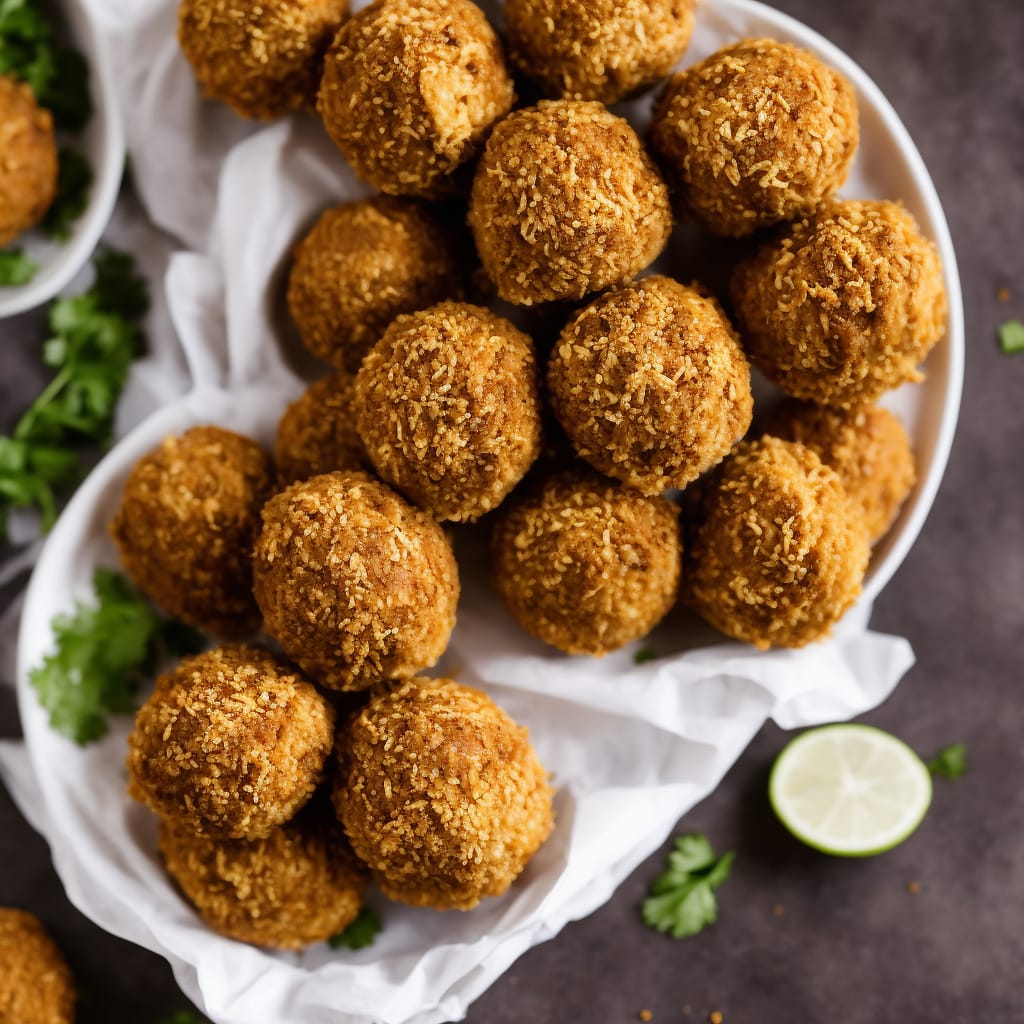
{"type": "Point", "coordinates": [759, 133]}
{"type": "Point", "coordinates": [354, 583]}
{"type": "Point", "coordinates": [36, 986]}
{"type": "Point", "coordinates": [651, 385]}
{"type": "Point", "coordinates": [782, 551]}
{"type": "Point", "coordinates": [866, 446]}
{"type": "Point", "coordinates": [231, 744]}
{"type": "Point", "coordinates": [584, 564]}
{"type": "Point", "coordinates": [264, 60]}
{"type": "Point", "coordinates": [362, 265]}
{"type": "Point", "coordinates": [441, 794]}
{"type": "Point", "coordinates": [566, 201]}
{"type": "Point", "coordinates": [299, 885]}
{"type": "Point", "coordinates": [28, 159]}
{"type": "Point", "coordinates": [597, 49]}
{"type": "Point", "coordinates": [449, 410]}
{"type": "Point", "coordinates": [317, 433]}
{"type": "Point", "coordinates": [842, 306]}
{"type": "Point", "coordinates": [410, 89]}
{"type": "Point", "coordinates": [186, 524]}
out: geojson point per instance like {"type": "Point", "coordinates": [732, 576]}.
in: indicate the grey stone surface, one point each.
{"type": "Point", "coordinates": [852, 943]}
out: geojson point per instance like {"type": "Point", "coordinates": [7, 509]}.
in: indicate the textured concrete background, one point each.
{"type": "Point", "coordinates": [852, 943]}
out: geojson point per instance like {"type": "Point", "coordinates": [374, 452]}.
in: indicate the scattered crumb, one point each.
{"type": "Point", "coordinates": [715, 1017]}
{"type": "Point", "coordinates": [778, 910]}
{"type": "Point", "coordinates": [1003, 295]}
{"type": "Point", "coordinates": [913, 887]}
{"type": "Point", "coordinates": [646, 1015]}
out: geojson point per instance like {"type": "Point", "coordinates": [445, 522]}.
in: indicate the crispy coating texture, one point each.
{"type": "Point", "coordinates": [188, 517]}
{"type": "Point", "coordinates": [449, 409]}
{"type": "Point", "coordinates": [263, 60]}
{"type": "Point", "coordinates": [441, 794]}
{"type": "Point", "coordinates": [566, 201]}
{"type": "Point", "coordinates": [362, 265]}
{"type": "Point", "coordinates": [231, 744]}
{"type": "Point", "coordinates": [844, 305]}
{"type": "Point", "coordinates": [601, 50]}
{"type": "Point", "coordinates": [354, 583]}
{"type": "Point", "coordinates": [866, 446]}
{"type": "Point", "coordinates": [299, 885]}
{"type": "Point", "coordinates": [410, 89]}
{"type": "Point", "coordinates": [36, 986]}
{"type": "Point", "coordinates": [584, 564]}
{"type": "Point", "coordinates": [651, 385]}
{"type": "Point", "coordinates": [782, 550]}
{"type": "Point", "coordinates": [759, 133]}
{"type": "Point", "coordinates": [28, 159]}
{"type": "Point", "coordinates": [317, 433]}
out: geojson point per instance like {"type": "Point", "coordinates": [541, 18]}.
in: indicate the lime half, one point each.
{"type": "Point", "coordinates": [849, 790]}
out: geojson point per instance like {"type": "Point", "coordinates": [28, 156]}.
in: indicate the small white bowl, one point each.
{"type": "Point", "coordinates": [101, 142]}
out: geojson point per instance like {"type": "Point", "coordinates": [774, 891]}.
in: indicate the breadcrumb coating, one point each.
{"type": "Point", "coordinates": [35, 984]}
{"type": "Point", "coordinates": [354, 583]}
{"type": "Point", "coordinates": [584, 564]}
{"type": "Point", "coordinates": [28, 159]}
{"type": "Point", "coordinates": [410, 90]}
{"type": "Point", "coordinates": [866, 446]}
{"type": "Point", "coordinates": [566, 201]}
{"type": "Point", "coordinates": [186, 524]}
{"type": "Point", "coordinates": [759, 133]}
{"type": "Point", "coordinates": [651, 385]}
{"type": "Point", "coordinates": [449, 409]}
{"type": "Point", "coordinates": [317, 433]}
{"type": "Point", "coordinates": [362, 265]}
{"type": "Point", "coordinates": [441, 794]}
{"type": "Point", "coordinates": [601, 50]}
{"type": "Point", "coordinates": [782, 550]}
{"type": "Point", "coordinates": [299, 885]}
{"type": "Point", "coordinates": [263, 60]}
{"type": "Point", "coordinates": [842, 306]}
{"type": "Point", "coordinates": [231, 744]}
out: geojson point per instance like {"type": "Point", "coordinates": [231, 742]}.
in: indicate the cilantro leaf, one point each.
{"type": "Point", "coordinates": [1011, 337]}
{"type": "Point", "coordinates": [74, 180]}
{"type": "Point", "coordinates": [15, 268]}
{"type": "Point", "coordinates": [682, 899]}
{"type": "Point", "coordinates": [644, 655]}
{"type": "Point", "coordinates": [360, 933]}
{"type": "Point", "coordinates": [950, 762]}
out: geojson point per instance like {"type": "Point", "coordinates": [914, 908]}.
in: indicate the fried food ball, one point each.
{"type": "Point", "coordinates": [362, 265]}
{"type": "Point", "coordinates": [844, 305]}
{"type": "Point", "coordinates": [448, 407]}
{"type": "Point", "coordinates": [566, 201]}
{"type": "Point", "coordinates": [782, 550]}
{"type": "Point", "coordinates": [354, 583]}
{"type": "Point", "coordinates": [597, 49]}
{"type": "Point", "coordinates": [263, 60]}
{"type": "Point", "coordinates": [28, 167]}
{"type": "Point", "coordinates": [35, 984]}
{"type": "Point", "coordinates": [584, 564]}
{"type": "Point", "coordinates": [185, 527]}
{"type": "Point", "coordinates": [651, 385]}
{"type": "Point", "coordinates": [759, 133]}
{"type": "Point", "coordinates": [410, 90]}
{"type": "Point", "coordinates": [441, 794]}
{"type": "Point", "coordinates": [317, 433]}
{"type": "Point", "coordinates": [299, 885]}
{"type": "Point", "coordinates": [866, 446]}
{"type": "Point", "coordinates": [231, 744]}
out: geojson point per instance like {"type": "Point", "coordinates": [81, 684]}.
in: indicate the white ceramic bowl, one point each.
{"type": "Point", "coordinates": [101, 142]}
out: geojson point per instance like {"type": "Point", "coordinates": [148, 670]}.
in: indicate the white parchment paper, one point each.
{"type": "Point", "coordinates": [631, 748]}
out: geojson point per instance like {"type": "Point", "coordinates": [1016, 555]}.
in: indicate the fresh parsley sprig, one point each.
{"type": "Point", "coordinates": [74, 181]}
{"type": "Point", "coordinates": [94, 339]}
{"type": "Point", "coordinates": [15, 268]}
{"type": "Point", "coordinates": [360, 933]}
{"type": "Point", "coordinates": [682, 900]}
{"type": "Point", "coordinates": [950, 762]}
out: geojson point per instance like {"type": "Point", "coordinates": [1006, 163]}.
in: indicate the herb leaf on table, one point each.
{"type": "Point", "coordinates": [950, 762]}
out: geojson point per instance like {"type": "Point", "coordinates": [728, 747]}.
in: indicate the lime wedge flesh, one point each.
{"type": "Point", "coordinates": [849, 790]}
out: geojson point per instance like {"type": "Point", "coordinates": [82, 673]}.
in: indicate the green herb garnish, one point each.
{"type": "Point", "coordinates": [644, 655]}
{"type": "Point", "coordinates": [951, 762]}
{"type": "Point", "coordinates": [94, 338]}
{"type": "Point", "coordinates": [1011, 337]}
{"type": "Point", "coordinates": [682, 900]}
{"type": "Point", "coordinates": [15, 268]}
{"type": "Point", "coordinates": [74, 181]}
{"type": "Point", "coordinates": [360, 933]}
